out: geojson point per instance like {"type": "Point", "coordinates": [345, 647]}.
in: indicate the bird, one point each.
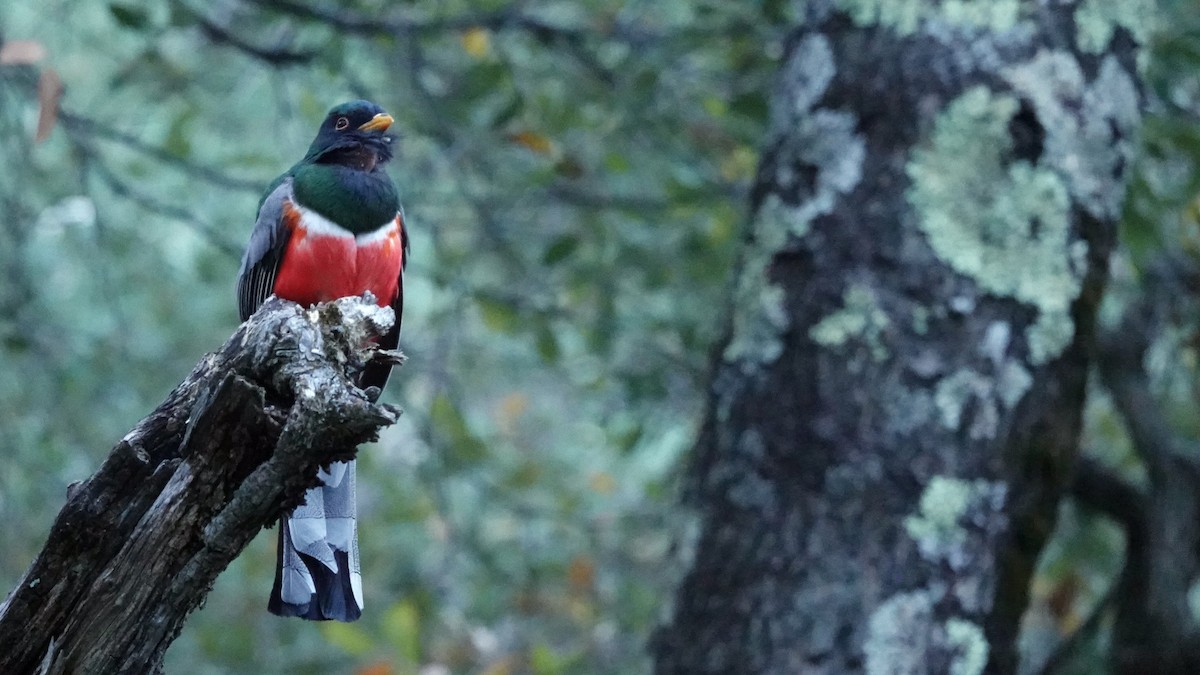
{"type": "Point", "coordinates": [330, 227]}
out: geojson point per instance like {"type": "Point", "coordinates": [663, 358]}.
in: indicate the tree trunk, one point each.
{"type": "Point", "coordinates": [139, 544]}
{"type": "Point", "coordinates": [895, 410]}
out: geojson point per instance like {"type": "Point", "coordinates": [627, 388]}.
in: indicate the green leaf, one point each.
{"type": "Point", "coordinates": [503, 116]}
{"type": "Point", "coordinates": [750, 104]}
{"type": "Point", "coordinates": [498, 314]}
{"type": "Point", "coordinates": [484, 78]}
{"type": "Point", "coordinates": [525, 476]}
{"type": "Point", "coordinates": [464, 446]}
{"type": "Point", "coordinates": [547, 344]}
{"type": "Point", "coordinates": [402, 628]}
{"type": "Point", "coordinates": [626, 438]}
{"type": "Point", "coordinates": [560, 249]}
{"type": "Point", "coordinates": [543, 660]}
{"type": "Point", "coordinates": [129, 16]}
{"type": "Point", "coordinates": [347, 637]}
{"type": "Point", "coordinates": [179, 141]}
{"type": "Point", "coordinates": [715, 106]}
{"type": "Point", "coordinates": [775, 11]}
{"type": "Point", "coordinates": [616, 162]}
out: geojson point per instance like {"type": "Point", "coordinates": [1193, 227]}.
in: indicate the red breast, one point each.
{"type": "Point", "coordinates": [324, 261]}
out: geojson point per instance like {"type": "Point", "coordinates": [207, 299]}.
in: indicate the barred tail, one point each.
{"type": "Point", "coordinates": [317, 571]}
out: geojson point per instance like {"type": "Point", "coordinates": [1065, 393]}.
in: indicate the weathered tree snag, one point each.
{"type": "Point", "coordinates": [894, 413]}
{"type": "Point", "coordinates": [139, 544]}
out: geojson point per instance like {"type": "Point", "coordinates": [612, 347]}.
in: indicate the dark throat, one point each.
{"type": "Point", "coordinates": [362, 158]}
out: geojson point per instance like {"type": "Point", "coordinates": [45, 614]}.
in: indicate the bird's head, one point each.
{"type": "Point", "coordinates": [353, 134]}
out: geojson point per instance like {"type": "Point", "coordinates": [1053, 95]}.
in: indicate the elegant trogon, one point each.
{"type": "Point", "coordinates": [330, 227]}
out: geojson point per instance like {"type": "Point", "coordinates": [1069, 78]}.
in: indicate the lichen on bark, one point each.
{"type": "Point", "coordinates": [825, 143]}
{"type": "Point", "coordinates": [860, 317]}
{"type": "Point", "coordinates": [906, 16]}
{"type": "Point", "coordinates": [1005, 223]}
{"type": "Point", "coordinates": [1097, 21]}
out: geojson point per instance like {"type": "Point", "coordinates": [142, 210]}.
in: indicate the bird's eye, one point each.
{"type": "Point", "coordinates": [342, 123]}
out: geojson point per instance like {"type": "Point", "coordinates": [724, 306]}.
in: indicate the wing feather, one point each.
{"type": "Point", "coordinates": [264, 253]}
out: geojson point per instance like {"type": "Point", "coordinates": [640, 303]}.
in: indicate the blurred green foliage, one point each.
{"type": "Point", "coordinates": [573, 175]}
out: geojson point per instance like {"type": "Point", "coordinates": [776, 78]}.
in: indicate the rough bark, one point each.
{"type": "Point", "coordinates": [894, 413]}
{"type": "Point", "coordinates": [138, 545]}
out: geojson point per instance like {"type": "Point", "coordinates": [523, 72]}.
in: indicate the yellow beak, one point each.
{"type": "Point", "coordinates": [380, 122]}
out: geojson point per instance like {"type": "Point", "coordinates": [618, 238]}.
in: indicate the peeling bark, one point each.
{"type": "Point", "coordinates": [138, 545]}
{"type": "Point", "coordinates": [893, 416]}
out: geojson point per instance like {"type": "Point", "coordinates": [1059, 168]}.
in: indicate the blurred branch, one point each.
{"type": "Point", "coordinates": [1121, 352]}
{"type": "Point", "coordinates": [571, 38]}
{"type": "Point", "coordinates": [1155, 629]}
{"type": "Point", "coordinates": [577, 196]}
{"type": "Point", "coordinates": [509, 18]}
{"type": "Point", "coordinates": [276, 56]}
{"type": "Point", "coordinates": [93, 162]}
{"type": "Point", "coordinates": [153, 205]}
{"type": "Point", "coordinates": [353, 22]}
{"type": "Point", "coordinates": [138, 545]}
{"type": "Point", "coordinates": [77, 124]}
{"type": "Point", "coordinates": [1102, 490]}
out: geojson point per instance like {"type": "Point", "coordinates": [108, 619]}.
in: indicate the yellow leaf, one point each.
{"type": "Point", "coordinates": [377, 668]}
{"type": "Point", "coordinates": [21, 53]}
{"type": "Point", "coordinates": [603, 482]}
{"type": "Point", "coordinates": [739, 164]}
{"type": "Point", "coordinates": [532, 140]}
{"type": "Point", "coordinates": [581, 610]}
{"type": "Point", "coordinates": [1069, 623]}
{"type": "Point", "coordinates": [510, 409]}
{"type": "Point", "coordinates": [581, 574]}
{"type": "Point", "coordinates": [476, 41]}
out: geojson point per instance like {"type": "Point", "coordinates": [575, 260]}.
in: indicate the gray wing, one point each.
{"type": "Point", "coordinates": [264, 253]}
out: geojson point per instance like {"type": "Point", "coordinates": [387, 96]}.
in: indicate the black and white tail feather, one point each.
{"type": "Point", "coordinates": [318, 576]}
